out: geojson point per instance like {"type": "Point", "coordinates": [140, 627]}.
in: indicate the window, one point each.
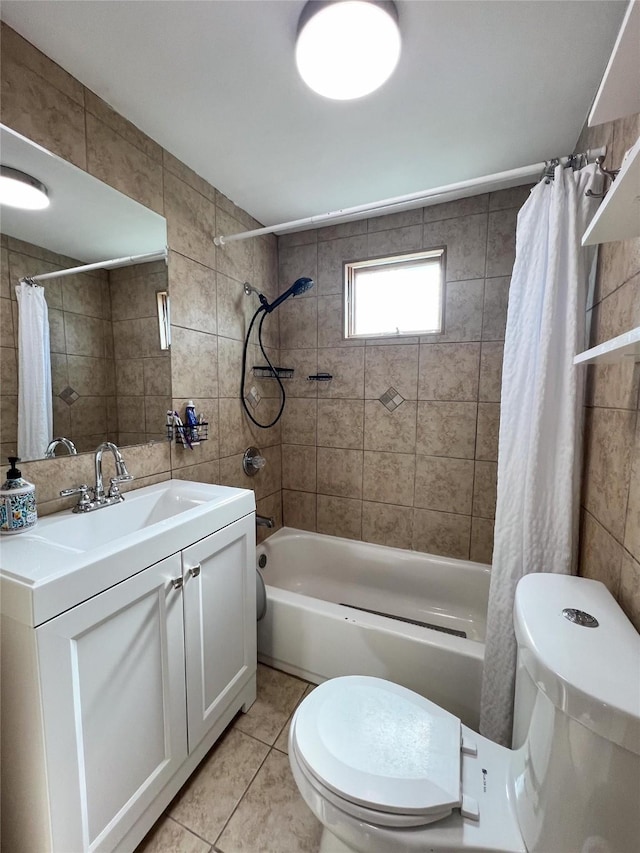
{"type": "Point", "coordinates": [393, 296]}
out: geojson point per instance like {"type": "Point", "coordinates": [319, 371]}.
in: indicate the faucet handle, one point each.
{"type": "Point", "coordinates": [82, 490]}
{"type": "Point", "coordinates": [114, 491]}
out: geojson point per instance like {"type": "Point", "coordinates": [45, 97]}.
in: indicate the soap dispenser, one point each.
{"type": "Point", "coordinates": [17, 501]}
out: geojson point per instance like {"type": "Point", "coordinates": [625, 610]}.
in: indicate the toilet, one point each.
{"type": "Point", "coordinates": [387, 771]}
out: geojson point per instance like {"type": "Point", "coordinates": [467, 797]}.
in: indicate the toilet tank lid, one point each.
{"type": "Point", "coordinates": [590, 673]}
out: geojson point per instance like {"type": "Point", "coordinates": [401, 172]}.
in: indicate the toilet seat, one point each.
{"type": "Point", "coordinates": [379, 752]}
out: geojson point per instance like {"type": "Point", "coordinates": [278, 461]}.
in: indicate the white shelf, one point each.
{"type": "Point", "coordinates": [615, 350]}
{"type": "Point", "coordinates": [619, 92]}
{"type": "Point", "coordinates": [618, 217]}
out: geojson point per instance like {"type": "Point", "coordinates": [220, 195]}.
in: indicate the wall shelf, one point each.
{"type": "Point", "coordinates": [619, 92]}
{"type": "Point", "coordinates": [618, 217]}
{"type": "Point", "coordinates": [617, 349]}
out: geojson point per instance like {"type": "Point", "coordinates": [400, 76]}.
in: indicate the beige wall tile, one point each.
{"type": "Point", "coordinates": [608, 442]}
{"type": "Point", "coordinates": [600, 554]}
{"type": "Point", "coordinates": [394, 241]}
{"type": "Point", "coordinates": [444, 484]}
{"type": "Point", "coordinates": [269, 479]}
{"type": "Point", "coordinates": [513, 197]}
{"type": "Point", "coordinates": [491, 372]}
{"type": "Point", "coordinates": [332, 254]}
{"type": "Point", "coordinates": [617, 263]}
{"type": "Point", "coordinates": [34, 107]}
{"type": "Point", "coordinates": [341, 423]}
{"type": "Point", "coordinates": [299, 323]}
{"type": "Point", "coordinates": [122, 165]}
{"type": "Point", "coordinates": [385, 524]}
{"type": "Point", "coordinates": [299, 238]}
{"type": "Point", "coordinates": [446, 429]}
{"type": "Point", "coordinates": [271, 507]}
{"type": "Point", "coordinates": [462, 314]}
{"type": "Point", "coordinates": [299, 510]}
{"type": "Point", "coordinates": [8, 370]}
{"type": "Point", "coordinates": [488, 431]}
{"type": "Point", "coordinates": [234, 308]}
{"type": "Point", "coordinates": [193, 294]}
{"type": "Point", "coordinates": [304, 363]}
{"type": "Point", "coordinates": [202, 472]}
{"type": "Point", "coordinates": [157, 375]}
{"type": "Point", "coordinates": [236, 259]}
{"type": "Point", "coordinates": [339, 516]}
{"type": "Point", "coordinates": [102, 111]}
{"type": "Point", "coordinates": [296, 262]}
{"type": "Point", "coordinates": [131, 416]}
{"type": "Point", "coordinates": [82, 295]}
{"type": "Point", "coordinates": [465, 239]}
{"type": "Point", "coordinates": [501, 242]}
{"type": "Point", "coordinates": [299, 421]}
{"type": "Point", "coordinates": [334, 232]}
{"type": "Point", "coordinates": [299, 467]}
{"type": "Point", "coordinates": [84, 335]}
{"type": "Point", "coordinates": [180, 170]}
{"type": "Point", "coordinates": [449, 372]}
{"type": "Point", "coordinates": [230, 368]}
{"type": "Point", "coordinates": [496, 302]}
{"type": "Point", "coordinates": [441, 533]}
{"type": "Point", "coordinates": [331, 324]}
{"type": "Point", "coordinates": [481, 540]}
{"type": "Point", "coordinates": [393, 431]}
{"type": "Point", "coordinates": [389, 478]}
{"type": "Point", "coordinates": [391, 366]}
{"type": "Point", "coordinates": [191, 221]}
{"type": "Point", "coordinates": [347, 368]}
{"type": "Point", "coordinates": [632, 525]}
{"type": "Point", "coordinates": [629, 595]}
{"type": "Point", "coordinates": [194, 363]}
{"type": "Point", "coordinates": [613, 386]}
{"type": "Point", "coordinates": [394, 220]}
{"type": "Point", "coordinates": [454, 209]}
{"type": "Point", "coordinates": [137, 338]}
{"type": "Point", "coordinates": [339, 472]}
{"type": "Point", "coordinates": [87, 375]}
{"type": "Point", "coordinates": [484, 489]}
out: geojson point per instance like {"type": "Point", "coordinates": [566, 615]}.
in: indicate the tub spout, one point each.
{"type": "Point", "coordinates": [264, 521]}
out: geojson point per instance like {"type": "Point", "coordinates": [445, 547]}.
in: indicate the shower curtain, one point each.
{"type": "Point", "coordinates": [540, 440]}
{"type": "Point", "coordinates": [35, 413]}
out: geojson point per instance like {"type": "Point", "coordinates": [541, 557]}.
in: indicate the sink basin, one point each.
{"type": "Point", "coordinates": [141, 509]}
{"type": "Point", "coordinates": [68, 557]}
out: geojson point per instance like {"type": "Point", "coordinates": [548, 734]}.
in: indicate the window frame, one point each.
{"type": "Point", "coordinates": [350, 269]}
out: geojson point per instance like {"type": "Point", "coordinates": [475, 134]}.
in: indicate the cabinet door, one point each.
{"type": "Point", "coordinates": [112, 676]}
{"type": "Point", "coordinates": [220, 621]}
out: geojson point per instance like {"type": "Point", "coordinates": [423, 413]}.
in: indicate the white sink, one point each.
{"type": "Point", "coordinates": [69, 557]}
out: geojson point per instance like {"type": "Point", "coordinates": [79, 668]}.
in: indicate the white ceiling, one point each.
{"type": "Point", "coordinates": [482, 86]}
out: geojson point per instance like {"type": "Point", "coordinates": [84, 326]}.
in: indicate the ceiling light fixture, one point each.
{"type": "Point", "coordinates": [347, 48]}
{"type": "Point", "coordinates": [17, 189]}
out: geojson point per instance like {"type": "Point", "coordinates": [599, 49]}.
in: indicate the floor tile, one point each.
{"type": "Point", "coordinates": [208, 799]}
{"type": "Point", "coordinates": [272, 817]}
{"type": "Point", "coordinates": [278, 695]}
{"type": "Point", "coordinates": [282, 743]}
{"type": "Point", "coordinates": [167, 836]}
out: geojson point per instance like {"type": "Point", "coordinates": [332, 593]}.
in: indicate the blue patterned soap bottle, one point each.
{"type": "Point", "coordinates": [17, 502]}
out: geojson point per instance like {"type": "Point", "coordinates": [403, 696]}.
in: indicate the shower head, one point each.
{"type": "Point", "coordinates": [299, 286]}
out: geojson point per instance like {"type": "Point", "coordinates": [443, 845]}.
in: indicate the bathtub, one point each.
{"type": "Point", "coordinates": [342, 607]}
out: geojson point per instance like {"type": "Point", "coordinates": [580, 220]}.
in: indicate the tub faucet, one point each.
{"type": "Point", "coordinates": [264, 521]}
{"type": "Point", "coordinates": [65, 442]}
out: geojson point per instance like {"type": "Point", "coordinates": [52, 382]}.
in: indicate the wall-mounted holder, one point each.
{"type": "Point", "coordinates": [263, 371]}
{"type": "Point", "coordinates": [252, 461]}
{"type": "Point", "coordinates": [179, 433]}
{"type": "Point", "coordinates": [320, 377]}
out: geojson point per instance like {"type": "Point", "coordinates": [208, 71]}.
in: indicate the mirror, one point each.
{"type": "Point", "coordinates": [110, 367]}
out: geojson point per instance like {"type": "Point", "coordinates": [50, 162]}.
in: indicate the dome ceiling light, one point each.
{"type": "Point", "coordinates": [347, 48]}
{"type": "Point", "coordinates": [17, 189]}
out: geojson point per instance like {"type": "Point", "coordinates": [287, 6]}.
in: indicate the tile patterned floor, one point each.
{"type": "Point", "coordinates": [242, 798]}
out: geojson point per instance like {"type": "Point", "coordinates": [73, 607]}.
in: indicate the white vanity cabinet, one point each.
{"type": "Point", "coordinates": [109, 706]}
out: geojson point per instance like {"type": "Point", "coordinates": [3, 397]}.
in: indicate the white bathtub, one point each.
{"type": "Point", "coordinates": [319, 589]}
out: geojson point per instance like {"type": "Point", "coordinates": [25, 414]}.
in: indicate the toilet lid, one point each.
{"type": "Point", "coordinates": [380, 745]}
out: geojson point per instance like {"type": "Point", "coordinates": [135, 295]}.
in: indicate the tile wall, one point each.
{"type": "Point", "coordinates": [610, 516]}
{"type": "Point", "coordinates": [209, 310]}
{"type": "Point", "coordinates": [424, 475]}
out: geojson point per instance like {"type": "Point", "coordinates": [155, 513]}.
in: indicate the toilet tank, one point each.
{"type": "Point", "coordinates": [576, 760]}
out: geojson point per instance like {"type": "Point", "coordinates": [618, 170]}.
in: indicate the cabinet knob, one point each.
{"type": "Point", "coordinates": [176, 583]}
{"type": "Point", "coordinates": [195, 570]}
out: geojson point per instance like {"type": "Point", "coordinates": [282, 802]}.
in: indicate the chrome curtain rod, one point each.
{"type": "Point", "coordinates": [99, 265]}
{"type": "Point", "coordinates": [449, 192]}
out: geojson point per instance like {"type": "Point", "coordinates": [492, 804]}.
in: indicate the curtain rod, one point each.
{"type": "Point", "coordinates": [99, 265]}
{"type": "Point", "coordinates": [449, 192]}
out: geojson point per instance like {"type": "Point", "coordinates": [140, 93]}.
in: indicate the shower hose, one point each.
{"type": "Point", "coordinates": [261, 310]}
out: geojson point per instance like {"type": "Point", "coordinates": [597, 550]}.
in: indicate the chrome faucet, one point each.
{"type": "Point", "coordinates": [99, 499]}
{"type": "Point", "coordinates": [264, 521]}
{"type": "Point", "coordinates": [65, 442]}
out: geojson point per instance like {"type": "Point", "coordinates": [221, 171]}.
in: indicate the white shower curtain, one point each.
{"type": "Point", "coordinates": [35, 412]}
{"type": "Point", "coordinates": [540, 438]}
